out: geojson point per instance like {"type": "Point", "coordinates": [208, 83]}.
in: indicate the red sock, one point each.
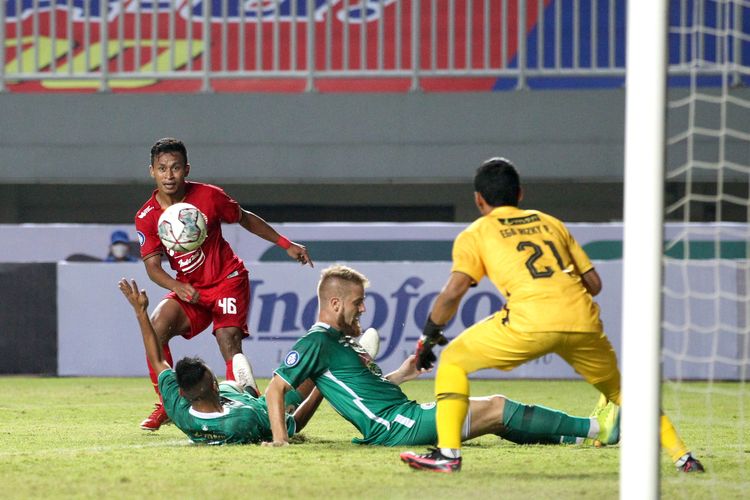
{"type": "Point", "coordinates": [155, 376]}
{"type": "Point", "coordinates": [230, 369]}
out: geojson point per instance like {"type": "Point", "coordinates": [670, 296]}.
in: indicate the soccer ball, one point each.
{"type": "Point", "coordinates": [182, 228]}
{"type": "Point", "coordinates": [370, 342]}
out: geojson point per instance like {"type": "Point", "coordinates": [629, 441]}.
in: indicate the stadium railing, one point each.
{"type": "Point", "coordinates": [441, 44]}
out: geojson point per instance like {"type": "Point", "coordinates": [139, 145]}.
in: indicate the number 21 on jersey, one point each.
{"type": "Point", "coordinates": [537, 252]}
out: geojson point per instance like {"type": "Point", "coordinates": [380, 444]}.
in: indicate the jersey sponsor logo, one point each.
{"type": "Point", "coordinates": [517, 221]}
{"type": "Point", "coordinates": [363, 355]}
{"type": "Point", "coordinates": [141, 238]}
{"type": "Point", "coordinates": [189, 262]}
{"type": "Point", "coordinates": [208, 436]}
{"type": "Point", "coordinates": [427, 406]}
{"type": "Point", "coordinates": [291, 359]}
{"type": "Point", "coordinates": [145, 211]}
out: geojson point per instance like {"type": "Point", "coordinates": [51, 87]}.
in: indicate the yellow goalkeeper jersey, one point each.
{"type": "Point", "coordinates": [536, 264]}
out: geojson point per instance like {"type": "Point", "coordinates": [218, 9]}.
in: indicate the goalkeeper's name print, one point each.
{"type": "Point", "coordinates": [524, 231]}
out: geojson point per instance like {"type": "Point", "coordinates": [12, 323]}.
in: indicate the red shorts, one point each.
{"type": "Point", "coordinates": [225, 304]}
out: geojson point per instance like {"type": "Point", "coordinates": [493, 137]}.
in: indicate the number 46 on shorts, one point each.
{"type": "Point", "coordinates": [228, 305]}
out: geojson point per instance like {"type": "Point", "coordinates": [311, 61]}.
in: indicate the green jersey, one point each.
{"type": "Point", "coordinates": [354, 385]}
{"type": "Point", "coordinates": [244, 418]}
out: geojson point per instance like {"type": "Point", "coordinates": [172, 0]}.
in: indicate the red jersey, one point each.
{"type": "Point", "coordinates": [211, 262]}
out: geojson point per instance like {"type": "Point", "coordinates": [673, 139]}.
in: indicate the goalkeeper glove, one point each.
{"type": "Point", "coordinates": [432, 335]}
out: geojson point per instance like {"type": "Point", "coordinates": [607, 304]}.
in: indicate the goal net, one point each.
{"type": "Point", "coordinates": [706, 276]}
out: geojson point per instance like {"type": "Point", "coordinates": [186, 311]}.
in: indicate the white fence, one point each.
{"type": "Point", "coordinates": [311, 40]}
{"type": "Point", "coordinates": [205, 41]}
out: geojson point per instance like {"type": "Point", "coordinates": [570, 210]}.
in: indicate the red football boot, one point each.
{"type": "Point", "coordinates": [157, 418]}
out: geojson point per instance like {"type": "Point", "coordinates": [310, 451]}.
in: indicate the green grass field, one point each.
{"type": "Point", "coordinates": [79, 438]}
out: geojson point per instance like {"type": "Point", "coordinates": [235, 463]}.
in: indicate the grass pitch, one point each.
{"type": "Point", "coordinates": [79, 438]}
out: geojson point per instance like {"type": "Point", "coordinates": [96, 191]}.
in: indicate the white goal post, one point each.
{"type": "Point", "coordinates": [645, 112]}
{"type": "Point", "coordinates": [686, 270]}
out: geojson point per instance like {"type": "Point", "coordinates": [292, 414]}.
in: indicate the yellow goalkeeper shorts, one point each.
{"type": "Point", "coordinates": [491, 344]}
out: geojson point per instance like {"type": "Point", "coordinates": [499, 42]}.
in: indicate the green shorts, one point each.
{"type": "Point", "coordinates": [410, 424]}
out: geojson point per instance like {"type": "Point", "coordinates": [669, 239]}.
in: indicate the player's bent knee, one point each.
{"type": "Point", "coordinates": [230, 340]}
{"type": "Point", "coordinates": [496, 404]}
{"type": "Point", "coordinates": [232, 334]}
{"type": "Point", "coordinates": [164, 328]}
{"type": "Point", "coordinates": [167, 319]}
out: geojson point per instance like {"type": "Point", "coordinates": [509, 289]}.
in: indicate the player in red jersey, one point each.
{"type": "Point", "coordinates": [212, 283]}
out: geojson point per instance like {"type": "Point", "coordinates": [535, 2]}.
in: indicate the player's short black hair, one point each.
{"type": "Point", "coordinates": [168, 145]}
{"type": "Point", "coordinates": [498, 182]}
{"type": "Point", "coordinates": [190, 373]}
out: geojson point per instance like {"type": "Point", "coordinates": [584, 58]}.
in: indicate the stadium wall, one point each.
{"type": "Point", "coordinates": [348, 151]}
{"type": "Point", "coordinates": [324, 157]}
{"type": "Point", "coordinates": [312, 138]}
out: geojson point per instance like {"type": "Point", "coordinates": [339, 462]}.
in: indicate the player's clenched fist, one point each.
{"type": "Point", "coordinates": [432, 335]}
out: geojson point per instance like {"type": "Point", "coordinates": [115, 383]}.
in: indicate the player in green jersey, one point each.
{"type": "Point", "coordinates": [205, 410]}
{"type": "Point", "coordinates": [345, 375]}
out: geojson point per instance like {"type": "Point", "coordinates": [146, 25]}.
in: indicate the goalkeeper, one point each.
{"type": "Point", "coordinates": [549, 284]}
{"type": "Point", "coordinates": [345, 374]}
{"type": "Point", "coordinates": [209, 412]}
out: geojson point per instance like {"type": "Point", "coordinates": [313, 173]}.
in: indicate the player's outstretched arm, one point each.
{"type": "Point", "coordinates": [275, 402]}
{"type": "Point", "coordinates": [446, 305]}
{"type": "Point", "coordinates": [447, 302]}
{"type": "Point", "coordinates": [407, 371]}
{"type": "Point", "coordinates": [261, 228]}
{"type": "Point", "coordinates": [307, 408]}
{"type": "Point", "coordinates": [139, 301]}
{"type": "Point", "coordinates": [158, 275]}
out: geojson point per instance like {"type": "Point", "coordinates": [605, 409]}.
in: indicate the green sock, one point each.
{"type": "Point", "coordinates": [542, 421]}
{"type": "Point", "coordinates": [520, 437]}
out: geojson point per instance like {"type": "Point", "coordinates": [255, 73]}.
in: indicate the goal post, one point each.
{"type": "Point", "coordinates": [686, 244]}
{"type": "Point", "coordinates": [645, 112]}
